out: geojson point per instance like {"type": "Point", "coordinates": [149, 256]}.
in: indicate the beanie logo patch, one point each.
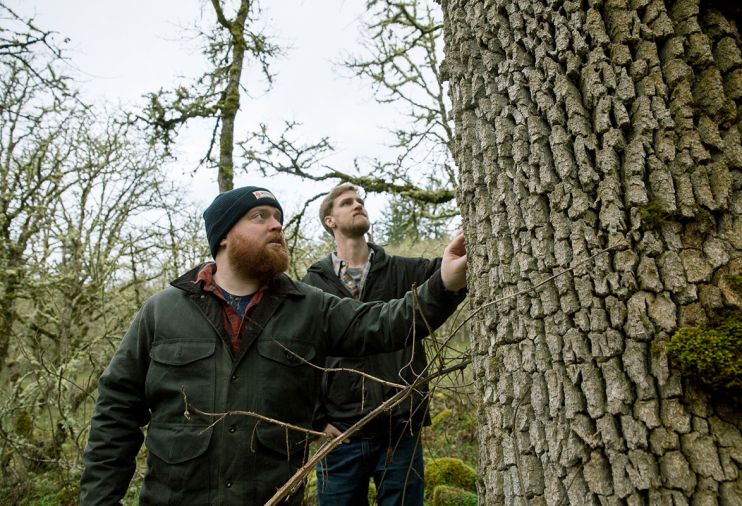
{"type": "Point", "coordinates": [262, 194]}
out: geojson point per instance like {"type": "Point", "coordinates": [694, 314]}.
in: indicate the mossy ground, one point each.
{"type": "Point", "coordinates": [451, 472]}
{"type": "Point", "coordinates": [444, 495]}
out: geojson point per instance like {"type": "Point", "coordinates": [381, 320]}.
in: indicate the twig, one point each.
{"type": "Point", "coordinates": [189, 408]}
{"type": "Point", "coordinates": [340, 369]}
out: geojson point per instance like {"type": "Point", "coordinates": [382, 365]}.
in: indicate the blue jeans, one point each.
{"type": "Point", "coordinates": [395, 464]}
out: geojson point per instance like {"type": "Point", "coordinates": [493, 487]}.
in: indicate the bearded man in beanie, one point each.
{"type": "Point", "coordinates": [236, 334]}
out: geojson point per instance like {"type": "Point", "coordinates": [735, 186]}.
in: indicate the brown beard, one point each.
{"type": "Point", "coordinates": [262, 261]}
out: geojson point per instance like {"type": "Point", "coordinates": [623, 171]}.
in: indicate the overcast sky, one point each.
{"type": "Point", "coordinates": [122, 50]}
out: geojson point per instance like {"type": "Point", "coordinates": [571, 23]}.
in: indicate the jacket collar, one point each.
{"type": "Point", "coordinates": [281, 285]}
{"type": "Point", "coordinates": [379, 259]}
{"type": "Point", "coordinates": [325, 265]}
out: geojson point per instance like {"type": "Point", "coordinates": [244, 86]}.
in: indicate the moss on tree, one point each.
{"type": "Point", "coordinates": [712, 355]}
{"type": "Point", "coordinates": [653, 215]}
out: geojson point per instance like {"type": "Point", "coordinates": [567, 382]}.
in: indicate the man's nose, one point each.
{"type": "Point", "coordinates": [274, 224]}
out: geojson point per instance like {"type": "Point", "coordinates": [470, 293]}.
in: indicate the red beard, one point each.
{"type": "Point", "coordinates": [261, 260]}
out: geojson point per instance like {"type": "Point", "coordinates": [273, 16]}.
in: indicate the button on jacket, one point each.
{"type": "Point", "coordinates": [345, 397]}
{"type": "Point", "coordinates": [177, 346]}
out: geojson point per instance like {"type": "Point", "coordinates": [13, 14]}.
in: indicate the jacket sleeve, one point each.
{"type": "Point", "coordinates": [120, 412]}
{"type": "Point", "coordinates": [422, 268]}
{"type": "Point", "coordinates": [357, 329]}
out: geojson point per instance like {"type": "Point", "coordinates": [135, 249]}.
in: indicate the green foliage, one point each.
{"type": "Point", "coordinates": [48, 489]}
{"type": "Point", "coordinates": [452, 433]}
{"type": "Point", "coordinates": [451, 472]}
{"type": "Point", "coordinates": [372, 493]}
{"type": "Point", "coordinates": [428, 248]}
{"type": "Point", "coordinates": [712, 356]}
{"type": "Point", "coordinates": [310, 490]}
{"type": "Point", "coordinates": [453, 429]}
{"type": "Point", "coordinates": [441, 418]}
{"type": "Point", "coordinates": [408, 220]}
{"type": "Point", "coordinates": [444, 495]}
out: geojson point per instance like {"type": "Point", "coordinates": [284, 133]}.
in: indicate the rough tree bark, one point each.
{"type": "Point", "coordinates": [581, 126]}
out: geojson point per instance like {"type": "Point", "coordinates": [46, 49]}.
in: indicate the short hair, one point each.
{"type": "Point", "coordinates": [325, 208]}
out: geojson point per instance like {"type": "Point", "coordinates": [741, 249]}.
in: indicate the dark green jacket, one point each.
{"type": "Point", "coordinates": [177, 345]}
{"type": "Point", "coordinates": [345, 397]}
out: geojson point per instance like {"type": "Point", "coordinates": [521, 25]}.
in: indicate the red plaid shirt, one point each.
{"type": "Point", "coordinates": [233, 322]}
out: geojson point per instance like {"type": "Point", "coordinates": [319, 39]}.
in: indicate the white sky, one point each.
{"type": "Point", "coordinates": [122, 50]}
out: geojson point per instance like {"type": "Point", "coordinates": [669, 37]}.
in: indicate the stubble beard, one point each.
{"type": "Point", "coordinates": [258, 260]}
{"type": "Point", "coordinates": [356, 229]}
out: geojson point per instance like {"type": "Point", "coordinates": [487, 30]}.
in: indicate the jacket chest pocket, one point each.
{"type": "Point", "coordinates": [288, 380]}
{"type": "Point", "coordinates": [290, 354]}
{"type": "Point", "coordinates": [177, 367]}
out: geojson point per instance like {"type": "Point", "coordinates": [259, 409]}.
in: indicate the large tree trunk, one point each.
{"type": "Point", "coordinates": [583, 126]}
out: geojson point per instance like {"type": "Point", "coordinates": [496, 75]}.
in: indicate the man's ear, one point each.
{"type": "Point", "coordinates": [330, 221]}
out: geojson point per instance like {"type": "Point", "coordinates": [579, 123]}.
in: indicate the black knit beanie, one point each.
{"type": "Point", "coordinates": [229, 207]}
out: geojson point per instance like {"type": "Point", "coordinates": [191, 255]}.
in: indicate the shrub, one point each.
{"type": "Point", "coordinates": [443, 495]}
{"type": "Point", "coordinates": [451, 472]}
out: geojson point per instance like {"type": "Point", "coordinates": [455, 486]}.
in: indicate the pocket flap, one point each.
{"type": "Point", "coordinates": [181, 352]}
{"type": "Point", "coordinates": [178, 442]}
{"type": "Point", "coordinates": [291, 353]}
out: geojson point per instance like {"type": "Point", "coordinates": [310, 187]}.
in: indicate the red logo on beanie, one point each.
{"type": "Point", "coordinates": [262, 194]}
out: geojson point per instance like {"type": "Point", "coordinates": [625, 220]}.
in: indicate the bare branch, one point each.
{"type": "Point", "coordinates": [189, 408]}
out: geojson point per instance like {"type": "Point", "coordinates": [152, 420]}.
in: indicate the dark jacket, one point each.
{"type": "Point", "coordinates": [177, 345]}
{"type": "Point", "coordinates": [346, 397]}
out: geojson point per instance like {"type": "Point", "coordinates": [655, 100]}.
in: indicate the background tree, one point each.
{"type": "Point", "coordinates": [401, 59]}
{"type": "Point", "coordinates": [582, 126]}
{"type": "Point", "coordinates": [215, 95]}
{"type": "Point", "coordinates": [86, 217]}
{"type": "Point", "coordinates": [24, 45]}
{"type": "Point", "coordinates": [33, 113]}
{"type": "Point", "coordinates": [403, 48]}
